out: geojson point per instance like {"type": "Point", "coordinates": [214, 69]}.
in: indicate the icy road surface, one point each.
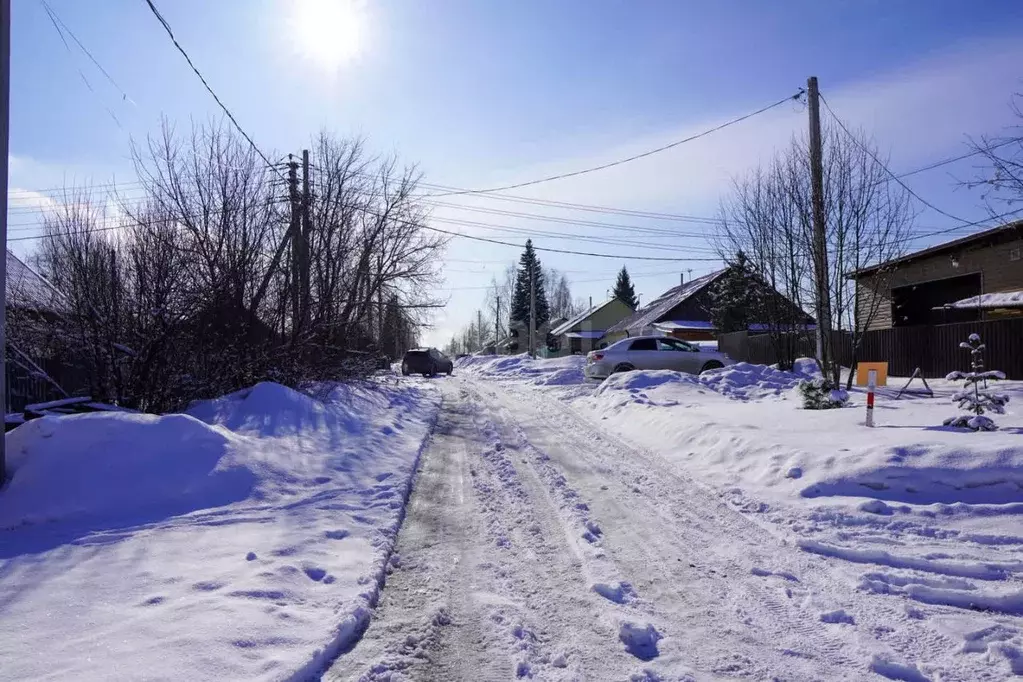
{"type": "Point", "coordinates": [538, 546]}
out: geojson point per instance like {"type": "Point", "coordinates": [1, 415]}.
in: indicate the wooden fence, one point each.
{"type": "Point", "coordinates": [934, 349]}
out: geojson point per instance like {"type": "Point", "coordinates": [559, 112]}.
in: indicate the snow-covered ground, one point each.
{"type": "Point", "coordinates": [656, 526]}
{"type": "Point", "coordinates": [910, 514]}
{"type": "Point", "coordinates": [245, 540]}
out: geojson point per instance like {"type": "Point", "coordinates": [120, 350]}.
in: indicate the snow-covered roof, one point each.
{"type": "Point", "coordinates": [671, 325]}
{"type": "Point", "coordinates": [654, 311]}
{"type": "Point", "coordinates": [590, 334]}
{"type": "Point", "coordinates": [26, 288]}
{"type": "Point", "coordinates": [579, 319]}
{"type": "Point", "coordinates": [1000, 299]}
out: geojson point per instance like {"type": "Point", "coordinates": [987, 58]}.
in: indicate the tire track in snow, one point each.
{"type": "Point", "coordinates": [487, 587]}
{"type": "Point", "coordinates": [672, 524]}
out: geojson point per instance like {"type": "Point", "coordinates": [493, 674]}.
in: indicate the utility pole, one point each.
{"type": "Point", "coordinates": [307, 229]}
{"type": "Point", "coordinates": [5, 111]}
{"type": "Point", "coordinates": [296, 240]}
{"type": "Point", "coordinates": [479, 330]}
{"type": "Point", "coordinates": [532, 312]}
{"type": "Point", "coordinates": [380, 300]}
{"type": "Point", "coordinates": [497, 326]}
{"type": "Point", "coordinates": [820, 249]}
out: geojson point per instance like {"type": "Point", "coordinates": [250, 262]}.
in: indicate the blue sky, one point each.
{"type": "Point", "coordinates": [486, 92]}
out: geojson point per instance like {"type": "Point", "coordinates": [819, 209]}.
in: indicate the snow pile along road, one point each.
{"type": "Point", "coordinates": [245, 540]}
{"type": "Point", "coordinates": [551, 372]}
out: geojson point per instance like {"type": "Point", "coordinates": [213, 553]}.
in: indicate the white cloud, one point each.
{"type": "Point", "coordinates": [26, 200]}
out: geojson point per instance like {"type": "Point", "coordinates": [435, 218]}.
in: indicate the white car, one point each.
{"type": "Point", "coordinates": [652, 352]}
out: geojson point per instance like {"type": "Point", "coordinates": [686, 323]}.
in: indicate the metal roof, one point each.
{"type": "Point", "coordinates": [26, 288]}
{"type": "Point", "coordinates": [940, 248]}
{"type": "Point", "coordinates": [578, 319]}
{"type": "Point", "coordinates": [651, 313]}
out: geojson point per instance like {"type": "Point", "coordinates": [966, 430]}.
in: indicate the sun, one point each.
{"type": "Point", "coordinates": [329, 32]}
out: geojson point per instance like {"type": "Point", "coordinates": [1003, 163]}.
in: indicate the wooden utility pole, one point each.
{"type": "Point", "coordinates": [532, 312]}
{"type": "Point", "coordinates": [380, 299]}
{"type": "Point", "coordinates": [307, 229]}
{"type": "Point", "coordinates": [5, 100]}
{"type": "Point", "coordinates": [479, 330]}
{"type": "Point", "coordinates": [497, 326]}
{"type": "Point", "coordinates": [296, 239]}
{"type": "Point", "coordinates": [822, 298]}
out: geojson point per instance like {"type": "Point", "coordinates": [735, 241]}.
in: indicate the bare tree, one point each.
{"type": "Point", "coordinates": [190, 296]}
{"type": "Point", "coordinates": [1002, 176]}
{"type": "Point", "coordinates": [867, 218]}
{"type": "Point", "coordinates": [559, 294]}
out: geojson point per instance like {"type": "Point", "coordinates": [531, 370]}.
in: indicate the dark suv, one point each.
{"type": "Point", "coordinates": [426, 361]}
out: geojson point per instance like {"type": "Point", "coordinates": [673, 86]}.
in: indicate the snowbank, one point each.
{"type": "Point", "coordinates": [544, 372]}
{"type": "Point", "coordinates": [772, 447]}
{"type": "Point", "coordinates": [745, 381]}
{"type": "Point", "coordinates": [131, 467]}
{"type": "Point", "coordinates": [245, 540]}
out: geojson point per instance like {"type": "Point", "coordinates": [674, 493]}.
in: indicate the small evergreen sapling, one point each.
{"type": "Point", "coordinates": [820, 394]}
{"type": "Point", "coordinates": [976, 399]}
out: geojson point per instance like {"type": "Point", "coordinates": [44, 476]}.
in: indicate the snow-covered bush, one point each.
{"type": "Point", "coordinates": [976, 399]}
{"type": "Point", "coordinates": [820, 394]}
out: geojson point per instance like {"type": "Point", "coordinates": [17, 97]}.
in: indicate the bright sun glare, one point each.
{"type": "Point", "coordinates": [329, 32]}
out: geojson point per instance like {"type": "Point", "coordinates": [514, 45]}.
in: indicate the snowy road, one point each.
{"type": "Point", "coordinates": [537, 545]}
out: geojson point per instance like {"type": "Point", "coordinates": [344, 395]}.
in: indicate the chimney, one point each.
{"type": "Point", "coordinates": [591, 302]}
{"type": "Point", "coordinates": [681, 278]}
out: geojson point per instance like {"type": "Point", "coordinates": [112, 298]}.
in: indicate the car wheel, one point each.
{"type": "Point", "coordinates": [450, 370]}
{"type": "Point", "coordinates": [713, 364]}
{"type": "Point", "coordinates": [623, 367]}
{"type": "Point", "coordinates": [404, 370]}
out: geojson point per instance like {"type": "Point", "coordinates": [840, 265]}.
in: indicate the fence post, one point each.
{"type": "Point", "coordinates": [871, 384]}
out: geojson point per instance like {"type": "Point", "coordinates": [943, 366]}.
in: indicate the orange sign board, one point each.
{"type": "Point", "coordinates": [863, 368]}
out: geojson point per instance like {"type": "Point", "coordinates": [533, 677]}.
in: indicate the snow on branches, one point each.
{"type": "Point", "coordinates": [974, 398]}
{"type": "Point", "coordinates": [820, 394]}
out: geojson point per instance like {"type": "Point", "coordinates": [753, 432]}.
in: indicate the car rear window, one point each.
{"type": "Point", "coordinates": [416, 354]}
{"type": "Point", "coordinates": [644, 344]}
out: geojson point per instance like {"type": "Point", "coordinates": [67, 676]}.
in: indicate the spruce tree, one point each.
{"type": "Point", "coordinates": [736, 300]}
{"type": "Point", "coordinates": [520, 300]}
{"type": "Point", "coordinates": [624, 291]}
{"type": "Point", "coordinates": [973, 398]}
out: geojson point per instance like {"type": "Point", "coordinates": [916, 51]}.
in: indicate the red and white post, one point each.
{"type": "Point", "coordinates": [871, 384]}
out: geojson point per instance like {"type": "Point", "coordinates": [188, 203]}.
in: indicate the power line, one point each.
{"type": "Point", "coordinates": [55, 18]}
{"type": "Point", "coordinates": [953, 159]}
{"type": "Point", "coordinates": [648, 275]}
{"type": "Point", "coordinates": [565, 251]}
{"type": "Point", "coordinates": [885, 168]}
{"type": "Point", "coordinates": [209, 89]}
{"type": "Point", "coordinates": [608, 241]}
{"type": "Point", "coordinates": [634, 157]}
{"type": "Point", "coordinates": [178, 220]}
{"type": "Point", "coordinates": [960, 227]}
{"type": "Point", "coordinates": [646, 232]}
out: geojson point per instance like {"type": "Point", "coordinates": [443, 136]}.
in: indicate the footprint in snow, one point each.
{"type": "Point", "coordinates": [334, 535]}
{"type": "Point", "coordinates": [619, 593]}
{"type": "Point", "coordinates": [640, 641]}
{"type": "Point", "coordinates": [314, 573]}
{"type": "Point", "coordinates": [207, 586]}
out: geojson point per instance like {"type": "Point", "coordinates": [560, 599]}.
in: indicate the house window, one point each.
{"type": "Point", "coordinates": [918, 304]}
